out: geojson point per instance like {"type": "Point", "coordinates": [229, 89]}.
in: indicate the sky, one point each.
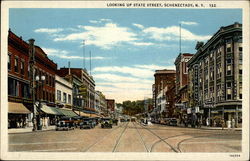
{"type": "Point", "coordinates": [126, 45]}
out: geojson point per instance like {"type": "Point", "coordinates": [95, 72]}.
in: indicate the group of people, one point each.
{"type": "Point", "coordinates": [18, 122]}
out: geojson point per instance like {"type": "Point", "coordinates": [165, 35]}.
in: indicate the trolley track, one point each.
{"type": "Point", "coordinates": [119, 138]}
{"type": "Point", "coordinates": [100, 139]}
{"type": "Point", "coordinates": [142, 141]}
{"type": "Point", "coordinates": [161, 139]}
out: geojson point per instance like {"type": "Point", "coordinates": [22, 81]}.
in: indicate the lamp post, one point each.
{"type": "Point", "coordinates": [39, 82]}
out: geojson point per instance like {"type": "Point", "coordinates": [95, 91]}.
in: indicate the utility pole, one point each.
{"type": "Point", "coordinates": [83, 54]}
{"type": "Point", "coordinates": [90, 62]}
{"type": "Point", "coordinates": [32, 79]}
{"type": "Point", "coordinates": [180, 37]}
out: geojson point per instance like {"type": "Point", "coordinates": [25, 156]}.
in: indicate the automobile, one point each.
{"type": "Point", "coordinates": [106, 123]}
{"type": "Point", "coordinates": [65, 123]}
{"type": "Point", "coordinates": [133, 119]}
{"type": "Point", "coordinates": [86, 123]}
{"type": "Point", "coordinates": [172, 122]}
{"type": "Point", "coordinates": [77, 120]}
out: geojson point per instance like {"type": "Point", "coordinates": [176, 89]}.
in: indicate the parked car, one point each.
{"type": "Point", "coordinates": [65, 123]}
{"type": "Point", "coordinates": [172, 122]}
{"type": "Point", "coordinates": [86, 123]}
{"type": "Point", "coordinates": [106, 123]}
{"type": "Point", "coordinates": [77, 120]}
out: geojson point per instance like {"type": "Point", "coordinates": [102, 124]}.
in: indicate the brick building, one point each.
{"type": "Point", "coordinates": [19, 80]}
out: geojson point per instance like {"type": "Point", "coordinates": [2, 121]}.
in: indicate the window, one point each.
{"type": "Point", "coordinates": [9, 61]}
{"type": "Point", "coordinates": [64, 97]}
{"type": "Point", "coordinates": [229, 61]}
{"type": "Point", "coordinates": [240, 48]}
{"type": "Point", "coordinates": [16, 64]}
{"type": "Point", "coordinates": [229, 94]}
{"type": "Point", "coordinates": [229, 70]}
{"type": "Point", "coordinates": [58, 95]}
{"type": "Point", "coordinates": [69, 98]}
{"type": "Point", "coordinates": [28, 71]}
{"type": "Point", "coordinates": [240, 71]}
{"type": "Point", "coordinates": [240, 93]}
{"type": "Point", "coordinates": [229, 84]}
{"type": "Point", "coordinates": [22, 67]}
{"type": "Point", "coordinates": [229, 49]}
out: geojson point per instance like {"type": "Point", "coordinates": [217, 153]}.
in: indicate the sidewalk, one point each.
{"type": "Point", "coordinates": [211, 128]}
{"type": "Point", "coordinates": [220, 128]}
{"type": "Point", "coordinates": [29, 129]}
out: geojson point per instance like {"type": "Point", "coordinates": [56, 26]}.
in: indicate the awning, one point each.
{"type": "Point", "coordinates": [82, 113]}
{"type": "Point", "coordinates": [94, 115]}
{"type": "Point", "coordinates": [67, 112]}
{"type": "Point", "coordinates": [17, 108]}
{"type": "Point", "coordinates": [50, 110]}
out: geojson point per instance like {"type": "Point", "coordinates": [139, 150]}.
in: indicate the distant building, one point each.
{"type": "Point", "coordinates": [215, 75]}
{"type": "Point", "coordinates": [182, 82]}
{"type": "Point", "coordinates": [110, 104]}
{"type": "Point", "coordinates": [164, 79]}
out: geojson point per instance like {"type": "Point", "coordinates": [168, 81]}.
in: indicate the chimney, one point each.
{"type": "Point", "coordinates": [69, 67]}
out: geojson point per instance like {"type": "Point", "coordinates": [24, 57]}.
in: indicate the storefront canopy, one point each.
{"type": "Point", "coordinates": [67, 112]}
{"type": "Point", "coordinates": [17, 108]}
{"type": "Point", "coordinates": [50, 110]}
{"type": "Point", "coordinates": [82, 113]}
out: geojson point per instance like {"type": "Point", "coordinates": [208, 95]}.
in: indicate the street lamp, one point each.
{"type": "Point", "coordinates": [39, 82]}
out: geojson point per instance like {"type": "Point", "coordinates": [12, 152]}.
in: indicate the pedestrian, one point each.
{"type": "Point", "coordinates": [207, 121]}
{"type": "Point", "coordinates": [222, 123]}
{"type": "Point", "coordinates": [233, 123]}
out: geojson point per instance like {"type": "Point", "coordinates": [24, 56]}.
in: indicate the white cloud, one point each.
{"type": "Point", "coordinates": [105, 37]}
{"type": "Point", "coordinates": [118, 78]}
{"type": "Point", "coordinates": [48, 30]}
{"type": "Point", "coordinates": [172, 33]}
{"type": "Point", "coordinates": [139, 71]}
{"type": "Point", "coordinates": [138, 25]}
{"type": "Point", "coordinates": [65, 54]}
{"type": "Point", "coordinates": [142, 43]}
{"type": "Point", "coordinates": [93, 21]}
{"type": "Point", "coordinates": [188, 23]}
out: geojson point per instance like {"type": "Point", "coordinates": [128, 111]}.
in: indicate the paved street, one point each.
{"type": "Point", "coordinates": [129, 137]}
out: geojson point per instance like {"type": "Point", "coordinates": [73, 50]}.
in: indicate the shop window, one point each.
{"type": "Point", "coordinates": [16, 64]}
{"type": "Point", "coordinates": [9, 61]}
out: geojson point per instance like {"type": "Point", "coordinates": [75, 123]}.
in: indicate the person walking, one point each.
{"type": "Point", "coordinates": [222, 123]}
{"type": "Point", "coordinates": [233, 123]}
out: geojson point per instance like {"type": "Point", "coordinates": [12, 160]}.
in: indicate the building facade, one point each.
{"type": "Point", "coordinates": [181, 101]}
{"type": "Point", "coordinates": [19, 77]}
{"type": "Point", "coordinates": [164, 79]}
{"type": "Point", "coordinates": [215, 75]}
{"type": "Point", "coordinates": [64, 92]}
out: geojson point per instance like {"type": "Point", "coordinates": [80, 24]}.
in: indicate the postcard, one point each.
{"type": "Point", "coordinates": [125, 80]}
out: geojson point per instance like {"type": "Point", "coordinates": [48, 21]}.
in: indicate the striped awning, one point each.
{"type": "Point", "coordinates": [17, 108]}
{"type": "Point", "coordinates": [67, 112]}
{"type": "Point", "coordinates": [50, 110]}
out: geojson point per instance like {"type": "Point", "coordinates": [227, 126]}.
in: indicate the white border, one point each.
{"type": "Point", "coordinates": [244, 155]}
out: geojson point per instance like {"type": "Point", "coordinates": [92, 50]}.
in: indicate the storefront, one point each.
{"type": "Point", "coordinates": [18, 115]}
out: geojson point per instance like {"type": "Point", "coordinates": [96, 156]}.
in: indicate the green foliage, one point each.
{"type": "Point", "coordinates": [134, 107]}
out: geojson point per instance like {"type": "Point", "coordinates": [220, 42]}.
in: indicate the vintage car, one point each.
{"type": "Point", "coordinates": [77, 120]}
{"type": "Point", "coordinates": [106, 123]}
{"type": "Point", "coordinates": [65, 123]}
{"type": "Point", "coordinates": [87, 123]}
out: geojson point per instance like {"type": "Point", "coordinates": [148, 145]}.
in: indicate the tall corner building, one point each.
{"type": "Point", "coordinates": [215, 75]}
